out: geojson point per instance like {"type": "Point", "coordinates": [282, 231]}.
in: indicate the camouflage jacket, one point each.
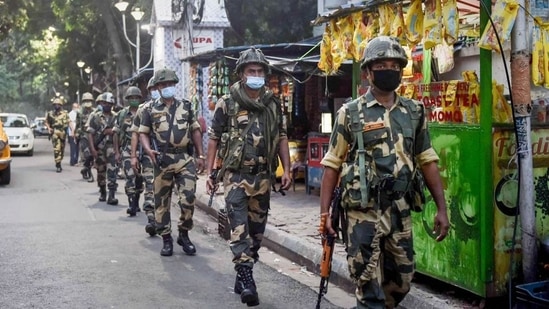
{"type": "Point", "coordinates": [82, 119]}
{"type": "Point", "coordinates": [139, 114]}
{"type": "Point", "coordinates": [123, 124]}
{"type": "Point", "coordinates": [58, 120]}
{"type": "Point", "coordinates": [98, 122]}
{"type": "Point", "coordinates": [256, 150]}
{"type": "Point", "coordinates": [390, 140]}
{"type": "Point", "coordinates": [155, 122]}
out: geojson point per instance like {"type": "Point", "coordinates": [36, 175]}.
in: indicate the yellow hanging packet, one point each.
{"type": "Point", "coordinates": [503, 15]}
{"type": "Point", "coordinates": [501, 110]}
{"type": "Point", "coordinates": [450, 19]}
{"type": "Point", "coordinates": [325, 62]}
{"type": "Point", "coordinates": [360, 36]}
{"type": "Point", "coordinates": [545, 40]}
{"type": "Point", "coordinates": [398, 27]}
{"type": "Point", "coordinates": [386, 17]}
{"type": "Point", "coordinates": [337, 51]}
{"type": "Point", "coordinates": [432, 25]}
{"type": "Point", "coordinates": [473, 86]}
{"type": "Point", "coordinates": [538, 71]}
{"type": "Point", "coordinates": [414, 22]}
{"type": "Point", "coordinates": [346, 33]}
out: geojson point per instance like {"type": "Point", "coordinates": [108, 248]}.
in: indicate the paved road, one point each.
{"type": "Point", "coordinates": [60, 248]}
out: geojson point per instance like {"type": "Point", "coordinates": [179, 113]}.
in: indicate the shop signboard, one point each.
{"type": "Point", "coordinates": [481, 236]}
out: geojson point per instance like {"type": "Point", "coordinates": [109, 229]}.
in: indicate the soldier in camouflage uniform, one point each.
{"type": "Point", "coordinates": [100, 134]}
{"type": "Point", "coordinates": [86, 156]}
{"type": "Point", "coordinates": [122, 148]}
{"type": "Point", "coordinates": [57, 121]}
{"type": "Point", "coordinates": [141, 161]}
{"type": "Point", "coordinates": [174, 166]}
{"type": "Point", "coordinates": [250, 121]}
{"type": "Point", "coordinates": [379, 228]}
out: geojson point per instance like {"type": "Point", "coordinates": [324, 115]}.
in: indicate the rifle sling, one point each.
{"type": "Point", "coordinates": [170, 127]}
{"type": "Point", "coordinates": [359, 140]}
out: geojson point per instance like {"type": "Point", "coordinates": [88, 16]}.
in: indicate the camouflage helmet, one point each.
{"type": "Point", "coordinates": [86, 96]}
{"type": "Point", "coordinates": [151, 83]}
{"type": "Point", "coordinates": [57, 101]}
{"type": "Point", "coordinates": [107, 97]}
{"type": "Point", "coordinates": [251, 55]}
{"type": "Point", "coordinates": [165, 75]}
{"type": "Point", "coordinates": [133, 91]}
{"type": "Point", "coordinates": [384, 47]}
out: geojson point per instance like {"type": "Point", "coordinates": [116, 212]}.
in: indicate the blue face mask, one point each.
{"type": "Point", "coordinates": [107, 108]}
{"type": "Point", "coordinates": [155, 94]}
{"type": "Point", "coordinates": [255, 82]}
{"type": "Point", "coordinates": [168, 92]}
{"type": "Point", "coordinates": [100, 107]}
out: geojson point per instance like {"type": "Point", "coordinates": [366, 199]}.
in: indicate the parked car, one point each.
{"type": "Point", "coordinates": [5, 157]}
{"type": "Point", "coordinates": [39, 127]}
{"type": "Point", "coordinates": [21, 138]}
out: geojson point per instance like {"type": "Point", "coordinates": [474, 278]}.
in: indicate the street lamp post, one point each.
{"type": "Point", "coordinates": [88, 71]}
{"type": "Point", "coordinates": [137, 14]}
{"type": "Point", "coordinates": [80, 65]}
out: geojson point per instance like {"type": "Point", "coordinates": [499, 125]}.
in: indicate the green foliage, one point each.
{"type": "Point", "coordinates": [269, 22]}
{"type": "Point", "coordinates": [13, 15]}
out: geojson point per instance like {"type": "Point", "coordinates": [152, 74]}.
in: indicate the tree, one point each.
{"type": "Point", "coordinates": [262, 23]}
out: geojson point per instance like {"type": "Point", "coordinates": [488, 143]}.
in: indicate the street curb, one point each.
{"type": "Point", "coordinates": [305, 254]}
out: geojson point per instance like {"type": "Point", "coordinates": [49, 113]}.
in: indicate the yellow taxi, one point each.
{"type": "Point", "coordinates": [5, 157]}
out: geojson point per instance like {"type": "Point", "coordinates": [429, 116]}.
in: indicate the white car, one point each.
{"type": "Point", "coordinates": [21, 137]}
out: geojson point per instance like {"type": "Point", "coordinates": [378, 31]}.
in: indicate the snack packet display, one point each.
{"type": "Point", "coordinates": [472, 114]}
{"type": "Point", "coordinates": [339, 49]}
{"type": "Point", "coordinates": [414, 21]}
{"type": "Point", "coordinates": [503, 15]}
{"type": "Point", "coordinates": [538, 63]}
{"type": "Point", "coordinates": [501, 110]}
{"type": "Point", "coordinates": [398, 28]}
{"type": "Point", "coordinates": [361, 36]}
{"type": "Point", "coordinates": [386, 18]}
{"type": "Point", "coordinates": [432, 25]}
{"type": "Point", "coordinates": [450, 19]}
{"type": "Point", "coordinates": [325, 62]}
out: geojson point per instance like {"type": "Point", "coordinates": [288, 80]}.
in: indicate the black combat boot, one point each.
{"type": "Point", "coordinates": [136, 198]}
{"type": "Point", "coordinates": [90, 175]}
{"type": "Point", "coordinates": [58, 167]}
{"type": "Point", "coordinates": [245, 286]}
{"type": "Point", "coordinates": [102, 193]}
{"type": "Point", "coordinates": [167, 250]}
{"type": "Point", "coordinates": [112, 200]}
{"type": "Point", "coordinates": [84, 172]}
{"type": "Point", "coordinates": [184, 241]}
{"type": "Point", "coordinates": [131, 206]}
{"type": "Point", "coordinates": [150, 228]}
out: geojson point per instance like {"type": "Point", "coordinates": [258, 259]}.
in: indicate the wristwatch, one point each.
{"type": "Point", "coordinates": [202, 157]}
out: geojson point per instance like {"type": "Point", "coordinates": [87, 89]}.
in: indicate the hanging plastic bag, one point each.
{"type": "Point", "coordinates": [503, 15]}
{"type": "Point", "coordinates": [444, 54]}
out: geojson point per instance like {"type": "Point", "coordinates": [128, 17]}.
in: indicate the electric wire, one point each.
{"type": "Point", "coordinates": [507, 76]}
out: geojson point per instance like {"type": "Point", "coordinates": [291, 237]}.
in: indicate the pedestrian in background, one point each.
{"type": "Point", "coordinates": [100, 134]}
{"type": "Point", "coordinates": [140, 160]}
{"type": "Point", "coordinates": [122, 148]}
{"type": "Point", "coordinates": [85, 153]}
{"type": "Point", "coordinates": [389, 134]}
{"type": "Point", "coordinates": [57, 121]}
{"type": "Point", "coordinates": [252, 115]}
{"type": "Point", "coordinates": [74, 137]}
{"type": "Point", "coordinates": [171, 126]}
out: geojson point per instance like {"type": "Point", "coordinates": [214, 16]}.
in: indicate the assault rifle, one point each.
{"type": "Point", "coordinates": [328, 242]}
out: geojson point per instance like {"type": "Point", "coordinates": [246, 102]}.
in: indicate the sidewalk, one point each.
{"type": "Point", "coordinates": [292, 231]}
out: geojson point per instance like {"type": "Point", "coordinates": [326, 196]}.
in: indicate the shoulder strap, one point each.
{"type": "Point", "coordinates": [356, 127]}
{"type": "Point", "coordinates": [170, 127]}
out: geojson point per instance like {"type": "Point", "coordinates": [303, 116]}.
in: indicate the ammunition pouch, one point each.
{"type": "Point", "coordinates": [177, 150]}
{"type": "Point", "coordinates": [390, 188]}
{"type": "Point", "coordinates": [234, 154]}
{"type": "Point", "coordinates": [254, 169]}
{"type": "Point", "coordinates": [351, 196]}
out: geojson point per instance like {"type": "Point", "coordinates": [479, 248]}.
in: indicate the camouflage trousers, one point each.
{"type": "Point", "coordinates": [85, 152]}
{"type": "Point", "coordinates": [247, 199]}
{"type": "Point", "coordinates": [134, 180]}
{"type": "Point", "coordinates": [58, 139]}
{"type": "Point", "coordinates": [380, 254]}
{"type": "Point", "coordinates": [147, 171]}
{"type": "Point", "coordinates": [179, 172]}
{"type": "Point", "coordinates": [105, 164]}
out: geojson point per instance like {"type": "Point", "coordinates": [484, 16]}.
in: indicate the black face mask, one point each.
{"type": "Point", "coordinates": [107, 108]}
{"type": "Point", "coordinates": [386, 80]}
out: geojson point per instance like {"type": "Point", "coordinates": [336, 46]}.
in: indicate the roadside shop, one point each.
{"type": "Point", "coordinates": [309, 98]}
{"type": "Point", "coordinates": [472, 131]}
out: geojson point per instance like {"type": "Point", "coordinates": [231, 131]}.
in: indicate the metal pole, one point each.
{"type": "Point", "coordinates": [137, 48]}
{"type": "Point", "coordinates": [520, 81]}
